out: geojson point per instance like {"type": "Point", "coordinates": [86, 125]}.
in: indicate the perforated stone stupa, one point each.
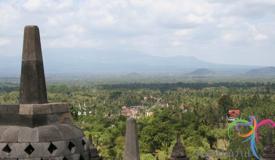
{"type": "Point", "coordinates": [269, 149]}
{"type": "Point", "coordinates": [178, 152]}
{"type": "Point", "coordinates": [36, 129]}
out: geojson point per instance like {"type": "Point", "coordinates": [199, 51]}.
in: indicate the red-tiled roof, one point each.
{"type": "Point", "coordinates": [234, 113]}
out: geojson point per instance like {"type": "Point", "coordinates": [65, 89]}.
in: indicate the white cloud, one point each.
{"type": "Point", "coordinates": [183, 32]}
{"type": "Point", "coordinates": [4, 41]}
{"type": "Point", "coordinates": [47, 5]}
{"type": "Point", "coordinates": [70, 41]}
{"type": "Point", "coordinates": [8, 15]}
{"type": "Point", "coordinates": [158, 27]}
{"type": "Point", "coordinates": [32, 5]}
{"type": "Point", "coordinates": [257, 35]}
{"type": "Point", "coordinates": [260, 37]}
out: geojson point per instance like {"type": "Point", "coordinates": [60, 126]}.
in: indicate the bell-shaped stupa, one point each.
{"type": "Point", "coordinates": [36, 129]}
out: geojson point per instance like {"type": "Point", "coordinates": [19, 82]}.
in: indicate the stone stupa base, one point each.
{"type": "Point", "coordinates": [41, 131]}
{"type": "Point", "coordinates": [269, 153]}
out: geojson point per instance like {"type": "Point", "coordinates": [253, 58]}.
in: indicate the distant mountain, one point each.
{"type": "Point", "coordinates": [265, 71]}
{"type": "Point", "coordinates": [87, 61]}
{"type": "Point", "coordinates": [202, 72]}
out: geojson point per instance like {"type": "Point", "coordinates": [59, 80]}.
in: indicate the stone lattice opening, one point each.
{"type": "Point", "coordinates": [29, 149]}
{"type": "Point", "coordinates": [64, 158]}
{"type": "Point", "coordinates": [52, 148]}
{"type": "Point", "coordinates": [84, 144]}
{"type": "Point", "coordinates": [6, 149]}
{"type": "Point", "coordinates": [71, 147]}
{"type": "Point", "coordinates": [81, 157]}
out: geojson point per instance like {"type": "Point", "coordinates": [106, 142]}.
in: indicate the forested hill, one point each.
{"type": "Point", "coordinates": [265, 71]}
{"type": "Point", "coordinates": [202, 72]}
{"type": "Point", "coordinates": [197, 85]}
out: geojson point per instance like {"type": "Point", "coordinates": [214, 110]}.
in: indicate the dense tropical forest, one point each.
{"type": "Point", "coordinates": [195, 111]}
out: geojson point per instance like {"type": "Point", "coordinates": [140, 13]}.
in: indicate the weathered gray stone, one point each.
{"type": "Point", "coordinates": [52, 118]}
{"type": "Point", "coordinates": [67, 131]}
{"type": "Point", "coordinates": [46, 108]}
{"type": "Point", "coordinates": [43, 114]}
{"type": "Point", "coordinates": [3, 108]}
{"type": "Point", "coordinates": [45, 150]}
{"type": "Point", "coordinates": [11, 119]}
{"type": "Point", "coordinates": [49, 133]}
{"type": "Point", "coordinates": [17, 150]}
{"type": "Point", "coordinates": [9, 109]}
{"type": "Point", "coordinates": [32, 83]}
{"type": "Point", "coordinates": [10, 134]}
{"type": "Point", "coordinates": [65, 118]}
{"type": "Point", "coordinates": [31, 159]}
{"type": "Point", "coordinates": [2, 145]}
{"type": "Point", "coordinates": [75, 157]}
{"type": "Point", "coordinates": [40, 150]}
{"type": "Point", "coordinates": [86, 154]}
{"type": "Point", "coordinates": [31, 109]}
{"type": "Point", "coordinates": [131, 151]}
{"type": "Point", "coordinates": [62, 148]}
{"type": "Point", "coordinates": [12, 109]}
{"type": "Point", "coordinates": [3, 129]}
{"type": "Point", "coordinates": [59, 107]}
{"type": "Point", "coordinates": [78, 145]}
{"type": "Point", "coordinates": [27, 134]}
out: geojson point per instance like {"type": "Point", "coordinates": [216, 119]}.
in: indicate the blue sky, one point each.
{"type": "Point", "coordinates": [221, 31]}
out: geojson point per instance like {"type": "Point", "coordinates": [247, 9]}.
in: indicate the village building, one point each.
{"type": "Point", "coordinates": [129, 112]}
{"type": "Point", "coordinates": [232, 114]}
